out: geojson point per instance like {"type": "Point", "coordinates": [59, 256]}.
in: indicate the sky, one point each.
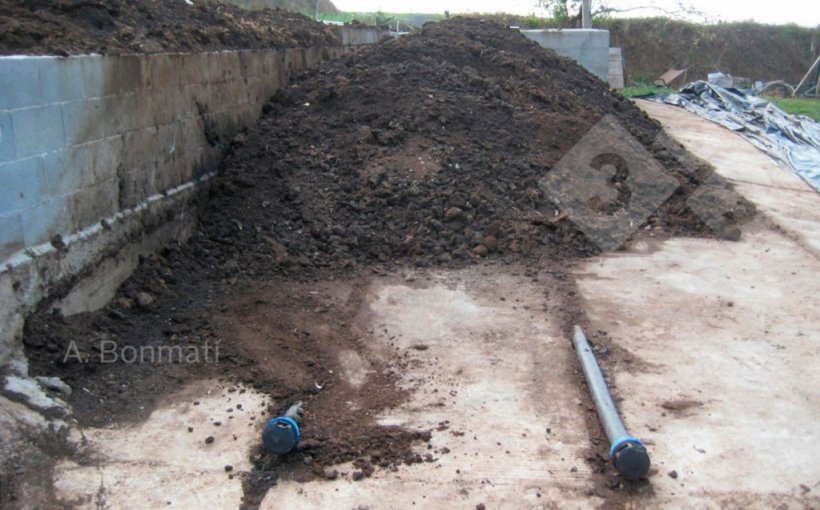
{"type": "Point", "coordinates": [801, 12]}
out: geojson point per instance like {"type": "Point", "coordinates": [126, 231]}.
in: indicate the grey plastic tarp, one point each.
{"type": "Point", "coordinates": [791, 140]}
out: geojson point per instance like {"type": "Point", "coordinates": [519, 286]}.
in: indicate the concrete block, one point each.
{"type": "Point", "coordinates": [130, 69]}
{"type": "Point", "coordinates": [191, 135]}
{"type": "Point", "coordinates": [192, 70]}
{"type": "Point", "coordinates": [140, 147]}
{"type": "Point", "coordinates": [87, 206]}
{"type": "Point", "coordinates": [312, 56]}
{"type": "Point", "coordinates": [166, 140]}
{"type": "Point", "coordinates": [38, 129]}
{"type": "Point", "coordinates": [216, 96]}
{"type": "Point", "coordinates": [19, 86]}
{"type": "Point", "coordinates": [207, 66]}
{"type": "Point", "coordinates": [255, 88]}
{"type": "Point", "coordinates": [241, 92]}
{"type": "Point", "coordinates": [110, 115]}
{"type": "Point", "coordinates": [235, 93]}
{"type": "Point", "coordinates": [61, 79]}
{"type": "Point", "coordinates": [249, 62]}
{"type": "Point", "coordinates": [232, 65]}
{"type": "Point", "coordinates": [615, 72]}
{"type": "Point", "coordinates": [126, 112]}
{"type": "Point", "coordinates": [227, 94]}
{"type": "Point", "coordinates": [182, 103]}
{"type": "Point", "coordinates": [21, 184]}
{"type": "Point", "coordinates": [11, 234]}
{"type": "Point", "coordinates": [8, 150]}
{"type": "Point", "coordinates": [171, 172]}
{"type": "Point", "coordinates": [44, 221]}
{"type": "Point", "coordinates": [76, 122]}
{"type": "Point", "coordinates": [106, 156]}
{"type": "Point", "coordinates": [135, 185]}
{"type": "Point", "coordinates": [66, 171]}
{"type": "Point", "coordinates": [218, 69]}
{"type": "Point", "coordinates": [100, 75]}
{"type": "Point", "coordinates": [145, 113]}
{"type": "Point", "coordinates": [95, 124]}
{"type": "Point", "coordinates": [195, 101]}
{"type": "Point", "coordinates": [161, 71]}
{"type": "Point", "coordinates": [269, 62]}
{"type": "Point", "coordinates": [152, 106]}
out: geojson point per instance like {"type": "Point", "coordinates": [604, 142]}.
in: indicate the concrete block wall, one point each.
{"type": "Point", "coordinates": [84, 137]}
{"type": "Point", "coordinates": [615, 75]}
{"type": "Point", "coordinates": [97, 151]}
{"type": "Point", "coordinates": [588, 47]}
{"type": "Point", "coordinates": [351, 36]}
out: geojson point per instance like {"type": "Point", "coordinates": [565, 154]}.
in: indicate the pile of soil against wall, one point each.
{"type": "Point", "coordinates": [64, 27]}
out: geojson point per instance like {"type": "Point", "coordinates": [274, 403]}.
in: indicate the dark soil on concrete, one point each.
{"type": "Point", "coordinates": [424, 151]}
{"type": "Point", "coordinates": [64, 27]}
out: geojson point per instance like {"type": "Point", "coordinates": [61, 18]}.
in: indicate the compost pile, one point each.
{"type": "Point", "coordinates": [63, 27]}
{"type": "Point", "coordinates": [424, 150]}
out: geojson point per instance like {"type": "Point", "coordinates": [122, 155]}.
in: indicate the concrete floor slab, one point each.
{"type": "Point", "coordinates": [782, 195]}
{"type": "Point", "coordinates": [725, 335]}
{"type": "Point", "coordinates": [493, 378]}
{"type": "Point", "coordinates": [723, 331]}
{"type": "Point", "coordinates": [165, 461]}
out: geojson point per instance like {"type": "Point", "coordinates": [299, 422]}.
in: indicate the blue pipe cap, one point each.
{"type": "Point", "coordinates": [630, 457]}
{"type": "Point", "coordinates": [281, 435]}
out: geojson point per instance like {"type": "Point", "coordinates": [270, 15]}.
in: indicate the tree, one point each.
{"type": "Point", "coordinates": [569, 11]}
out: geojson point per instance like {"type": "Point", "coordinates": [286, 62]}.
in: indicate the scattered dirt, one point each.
{"type": "Point", "coordinates": [425, 150]}
{"type": "Point", "coordinates": [64, 27]}
{"type": "Point", "coordinates": [681, 405]}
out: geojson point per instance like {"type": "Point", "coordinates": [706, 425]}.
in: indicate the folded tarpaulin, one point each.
{"type": "Point", "coordinates": [791, 140]}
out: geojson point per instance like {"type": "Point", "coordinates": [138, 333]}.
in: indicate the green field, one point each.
{"type": "Point", "coordinates": [808, 106]}
{"type": "Point", "coordinates": [644, 89]}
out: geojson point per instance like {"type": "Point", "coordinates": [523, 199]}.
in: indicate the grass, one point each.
{"type": "Point", "coordinates": [808, 106]}
{"type": "Point", "coordinates": [643, 89]}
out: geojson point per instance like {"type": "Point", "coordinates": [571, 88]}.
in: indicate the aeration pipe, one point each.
{"type": "Point", "coordinates": [626, 451]}
{"type": "Point", "coordinates": [282, 433]}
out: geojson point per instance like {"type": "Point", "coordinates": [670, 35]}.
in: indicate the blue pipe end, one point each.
{"type": "Point", "coordinates": [630, 457]}
{"type": "Point", "coordinates": [281, 435]}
